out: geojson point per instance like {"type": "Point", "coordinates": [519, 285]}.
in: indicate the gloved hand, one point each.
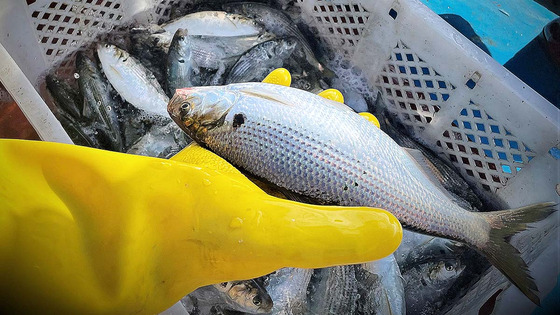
{"type": "Point", "coordinates": [90, 231]}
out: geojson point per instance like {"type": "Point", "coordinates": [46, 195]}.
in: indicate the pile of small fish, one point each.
{"type": "Point", "coordinates": [121, 102]}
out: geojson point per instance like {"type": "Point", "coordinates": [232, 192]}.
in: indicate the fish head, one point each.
{"type": "Point", "coordinates": [446, 270]}
{"type": "Point", "coordinates": [199, 110]}
{"type": "Point", "coordinates": [285, 47]}
{"type": "Point", "coordinates": [246, 296]}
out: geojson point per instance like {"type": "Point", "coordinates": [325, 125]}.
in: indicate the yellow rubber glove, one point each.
{"type": "Point", "coordinates": [91, 231]}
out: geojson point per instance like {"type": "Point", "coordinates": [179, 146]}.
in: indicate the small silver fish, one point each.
{"type": "Point", "coordinates": [334, 291]}
{"type": "Point", "coordinates": [324, 150]}
{"type": "Point", "coordinates": [214, 23]}
{"type": "Point", "coordinates": [256, 63]}
{"type": "Point", "coordinates": [99, 105]}
{"type": "Point", "coordinates": [381, 288]}
{"type": "Point", "coordinates": [134, 83]}
{"type": "Point", "coordinates": [288, 289]}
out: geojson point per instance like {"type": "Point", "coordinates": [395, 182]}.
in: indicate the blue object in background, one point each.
{"type": "Point", "coordinates": [505, 27]}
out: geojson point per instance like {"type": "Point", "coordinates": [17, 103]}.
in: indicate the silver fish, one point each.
{"type": "Point", "coordinates": [161, 142]}
{"type": "Point", "coordinates": [256, 63]}
{"type": "Point", "coordinates": [134, 83]}
{"type": "Point", "coordinates": [380, 288]}
{"type": "Point", "coordinates": [182, 71]}
{"type": "Point", "coordinates": [214, 23]}
{"type": "Point", "coordinates": [324, 150]}
{"type": "Point", "coordinates": [99, 105]}
{"type": "Point", "coordinates": [429, 275]}
{"type": "Point", "coordinates": [288, 289]}
{"type": "Point", "coordinates": [245, 296]}
{"type": "Point", "coordinates": [276, 22]}
{"type": "Point", "coordinates": [333, 291]}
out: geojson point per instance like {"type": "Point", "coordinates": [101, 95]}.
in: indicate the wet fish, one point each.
{"type": "Point", "coordinates": [324, 150]}
{"type": "Point", "coordinates": [215, 23]}
{"type": "Point", "coordinates": [276, 22]}
{"type": "Point", "coordinates": [257, 63]}
{"type": "Point", "coordinates": [134, 83]}
{"type": "Point", "coordinates": [99, 105]}
{"type": "Point", "coordinates": [196, 60]}
{"type": "Point", "coordinates": [150, 46]}
{"type": "Point", "coordinates": [288, 289]}
{"type": "Point", "coordinates": [161, 142]}
{"type": "Point", "coordinates": [429, 272]}
{"type": "Point", "coordinates": [67, 98]}
{"type": "Point", "coordinates": [380, 287]}
{"type": "Point", "coordinates": [245, 296]}
{"type": "Point", "coordinates": [182, 71]}
{"type": "Point", "coordinates": [333, 290]}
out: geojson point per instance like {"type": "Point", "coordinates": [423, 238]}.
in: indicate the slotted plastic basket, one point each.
{"type": "Point", "coordinates": [501, 135]}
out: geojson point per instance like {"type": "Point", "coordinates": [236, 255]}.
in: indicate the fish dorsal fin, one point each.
{"type": "Point", "coordinates": [429, 169]}
{"type": "Point", "coordinates": [266, 94]}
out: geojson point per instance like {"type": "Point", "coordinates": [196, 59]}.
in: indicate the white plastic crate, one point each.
{"type": "Point", "coordinates": [456, 99]}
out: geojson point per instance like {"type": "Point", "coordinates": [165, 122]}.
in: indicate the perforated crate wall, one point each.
{"type": "Point", "coordinates": [414, 90]}
{"type": "Point", "coordinates": [62, 27]}
{"type": "Point", "coordinates": [340, 24]}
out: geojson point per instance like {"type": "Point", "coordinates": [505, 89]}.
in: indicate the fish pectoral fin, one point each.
{"type": "Point", "coordinates": [429, 169]}
{"type": "Point", "coordinates": [271, 96]}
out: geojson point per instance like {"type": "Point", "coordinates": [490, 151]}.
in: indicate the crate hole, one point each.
{"type": "Point", "coordinates": [402, 69]}
{"type": "Point", "coordinates": [478, 163]}
{"type": "Point", "coordinates": [488, 153]}
{"type": "Point", "coordinates": [446, 133]}
{"type": "Point", "coordinates": [465, 160]}
{"type": "Point", "coordinates": [480, 127]}
{"type": "Point", "coordinates": [449, 145]}
{"type": "Point", "coordinates": [31, 2]}
{"type": "Point", "coordinates": [467, 125]}
{"type": "Point", "coordinates": [52, 5]}
{"type": "Point", "coordinates": [482, 175]}
{"type": "Point", "coordinates": [402, 105]}
{"type": "Point", "coordinates": [412, 106]}
{"type": "Point", "coordinates": [464, 112]}
{"type": "Point", "coordinates": [389, 92]}
{"type": "Point", "coordinates": [49, 51]}
{"type": "Point", "coordinates": [470, 138]}
{"type": "Point", "coordinates": [40, 27]}
{"type": "Point", "coordinates": [64, 41]}
{"type": "Point", "coordinates": [492, 166]}
{"type": "Point", "coordinates": [496, 178]}
{"type": "Point", "coordinates": [513, 144]}
{"type": "Point", "coordinates": [495, 129]}
{"type": "Point", "coordinates": [470, 84]}
{"type": "Point", "coordinates": [475, 151]}
{"type": "Point", "coordinates": [418, 118]}
{"type": "Point", "coordinates": [35, 14]}
{"type": "Point", "coordinates": [442, 85]}
{"type": "Point", "coordinates": [433, 96]}
{"type": "Point", "coordinates": [385, 80]}
{"type": "Point", "coordinates": [484, 140]}
{"type": "Point", "coordinates": [453, 158]}
{"type": "Point", "coordinates": [462, 148]}
{"type": "Point", "coordinates": [409, 95]}
{"type": "Point", "coordinates": [470, 173]}
{"type": "Point", "coordinates": [393, 13]}
{"type": "Point", "coordinates": [436, 108]}
{"type": "Point", "coordinates": [54, 40]}
{"type": "Point", "coordinates": [44, 39]}
{"type": "Point", "coordinates": [486, 187]}
{"type": "Point", "coordinates": [399, 93]}
{"type": "Point", "coordinates": [429, 83]}
{"type": "Point", "coordinates": [425, 70]}
{"type": "Point", "coordinates": [425, 108]}
{"type": "Point", "coordinates": [428, 119]}
{"type": "Point", "coordinates": [499, 143]}
{"type": "Point", "coordinates": [502, 156]}
{"type": "Point", "coordinates": [108, 4]}
{"type": "Point", "coordinates": [506, 169]}
{"type": "Point", "coordinates": [405, 82]}
{"type": "Point", "coordinates": [63, 6]}
{"type": "Point", "coordinates": [360, 20]}
{"type": "Point", "coordinates": [445, 96]}
{"type": "Point", "coordinates": [417, 84]}
{"type": "Point", "coordinates": [413, 70]}
{"type": "Point", "coordinates": [517, 158]}
{"type": "Point", "coordinates": [438, 143]}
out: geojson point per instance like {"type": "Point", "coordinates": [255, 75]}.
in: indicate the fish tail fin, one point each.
{"type": "Point", "coordinates": [505, 257]}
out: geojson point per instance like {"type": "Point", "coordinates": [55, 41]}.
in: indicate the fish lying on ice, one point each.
{"type": "Point", "coordinates": [322, 149]}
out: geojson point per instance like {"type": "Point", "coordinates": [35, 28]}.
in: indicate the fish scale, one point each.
{"type": "Point", "coordinates": [323, 150]}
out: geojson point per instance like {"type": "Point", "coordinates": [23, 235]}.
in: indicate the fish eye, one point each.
{"type": "Point", "coordinates": [449, 267]}
{"type": "Point", "coordinates": [257, 300]}
{"type": "Point", "coordinates": [223, 284]}
{"type": "Point", "coordinates": [185, 106]}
